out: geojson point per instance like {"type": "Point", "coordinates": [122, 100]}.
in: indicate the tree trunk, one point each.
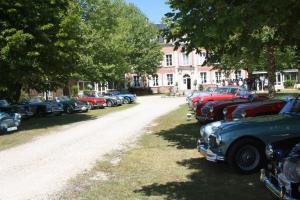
{"type": "Point", "coordinates": [271, 68]}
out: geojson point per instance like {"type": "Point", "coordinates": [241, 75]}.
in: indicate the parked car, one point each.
{"type": "Point", "coordinates": [40, 107]}
{"type": "Point", "coordinates": [72, 105]}
{"type": "Point", "coordinates": [268, 107]}
{"type": "Point", "coordinates": [213, 110]}
{"type": "Point", "coordinates": [128, 98]}
{"type": "Point", "coordinates": [95, 102]}
{"type": "Point", "coordinates": [9, 122]}
{"type": "Point", "coordinates": [207, 91]}
{"type": "Point", "coordinates": [241, 143]}
{"type": "Point", "coordinates": [281, 174]}
{"type": "Point", "coordinates": [112, 100]}
{"type": "Point", "coordinates": [224, 93]}
{"type": "Point", "coordinates": [23, 110]}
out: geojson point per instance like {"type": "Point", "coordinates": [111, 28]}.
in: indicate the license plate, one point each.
{"type": "Point", "coordinates": [11, 129]}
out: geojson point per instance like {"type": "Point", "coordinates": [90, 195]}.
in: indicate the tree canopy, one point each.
{"type": "Point", "coordinates": [238, 33]}
{"type": "Point", "coordinates": [43, 44]}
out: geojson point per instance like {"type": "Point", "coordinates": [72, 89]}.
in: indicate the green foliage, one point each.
{"type": "Point", "coordinates": [238, 34]}
{"type": "Point", "coordinates": [43, 44]}
{"type": "Point", "coordinates": [74, 90]}
{"type": "Point", "coordinates": [289, 83]}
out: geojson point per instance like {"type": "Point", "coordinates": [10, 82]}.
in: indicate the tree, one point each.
{"type": "Point", "coordinates": [229, 29]}
{"type": "Point", "coordinates": [38, 44]}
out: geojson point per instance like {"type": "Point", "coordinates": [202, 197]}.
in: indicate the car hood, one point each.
{"type": "Point", "coordinates": [225, 102]}
{"type": "Point", "coordinates": [254, 122]}
{"type": "Point", "coordinates": [258, 104]}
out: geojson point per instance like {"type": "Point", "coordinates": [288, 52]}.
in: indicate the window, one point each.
{"type": "Point", "coordinates": [238, 75]}
{"type": "Point", "coordinates": [185, 59]}
{"type": "Point", "coordinates": [155, 80]}
{"type": "Point", "coordinates": [170, 79]}
{"type": "Point", "coordinates": [218, 77]}
{"type": "Point", "coordinates": [136, 81]}
{"type": "Point", "coordinates": [201, 58]}
{"type": "Point", "coordinates": [169, 60]}
{"type": "Point", "coordinates": [203, 78]}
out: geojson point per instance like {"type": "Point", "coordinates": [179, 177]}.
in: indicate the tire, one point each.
{"type": "Point", "coordinates": [126, 100]}
{"type": "Point", "coordinates": [246, 156]}
{"type": "Point", "coordinates": [109, 104]}
{"type": "Point", "coordinates": [69, 110]}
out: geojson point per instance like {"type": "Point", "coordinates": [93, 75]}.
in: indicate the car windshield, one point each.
{"type": "Point", "coordinates": [210, 89]}
{"type": "Point", "coordinates": [35, 100]}
{"type": "Point", "coordinates": [63, 98]}
{"type": "Point", "coordinates": [292, 107]}
{"type": "Point", "coordinates": [222, 90]}
{"type": "Point", "coordinates": [4, 103]}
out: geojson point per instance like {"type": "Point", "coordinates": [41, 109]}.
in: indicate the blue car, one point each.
{"type": "Point", "coordinates": [127, 97]}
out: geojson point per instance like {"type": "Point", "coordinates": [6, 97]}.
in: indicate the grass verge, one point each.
{"type": "Point", "coordinates": [44, 125]}
{"type": "Point", "coordinates": [164, 165]}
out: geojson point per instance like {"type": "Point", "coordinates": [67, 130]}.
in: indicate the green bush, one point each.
{"type": "Point", "coordinates": [289, 83]}
{"type": "Point", "coordinates": [74, 90]}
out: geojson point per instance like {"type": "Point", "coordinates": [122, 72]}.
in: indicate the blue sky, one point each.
{"type": "Point", "coordinates": [153, 9]}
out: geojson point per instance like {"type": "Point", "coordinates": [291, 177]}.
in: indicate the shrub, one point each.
{"type": "Point", "coordinates": [74, 90]}
{"type": "Point", "coordinates": [289, 83]}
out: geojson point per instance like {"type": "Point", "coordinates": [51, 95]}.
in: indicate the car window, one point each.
{"type": "Point", "coordinates": [293, 107]}
{"type": "Point", "coordinates": [36, 100]}
{"type": "Point", "coordinates": [233, 90]}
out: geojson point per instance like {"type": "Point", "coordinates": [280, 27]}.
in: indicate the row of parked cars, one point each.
{"type": "Point", "coordinates": [12, 115]}
{"type": "Point", "coordinates": [251, 132]}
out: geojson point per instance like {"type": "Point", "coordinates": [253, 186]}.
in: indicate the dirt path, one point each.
{"type": "Point", "coordinates": [40, 168]}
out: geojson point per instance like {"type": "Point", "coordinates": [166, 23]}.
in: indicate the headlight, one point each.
{"type": "Point", "coordinates": [218, 139]}
{"type": "Point", "coordinates": [211, 109]}
{"type": "Point", "coordinates": [75, 104]}
{"type": "Point", "coordinates": [224, 111]}
{"type": "Point", "coordinates": [202, 131]}
{"type": "Point", "coordinates": [270, 152]}
{"type": "Point", "coordinates": [243, 114]}
{"type": "Point", "coordinates": [291, 169]}
{"type": "Point", "coordinates": [17, 116]}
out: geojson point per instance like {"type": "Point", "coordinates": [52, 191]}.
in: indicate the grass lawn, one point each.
{"type": "Point", "coordinates": [164, 165]}
{"type": "Point", "coordinates": [44, 125]}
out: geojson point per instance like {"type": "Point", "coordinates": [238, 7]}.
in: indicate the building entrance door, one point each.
{"type": "Point", "coordinates": [187, 81]}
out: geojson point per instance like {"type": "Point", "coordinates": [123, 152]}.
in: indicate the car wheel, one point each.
{"type": "Point", "coordinates": [69, 110]}
{"type": "Point", "coordinates": [246, 156]}
{"type": "Point", "coordinates": [126, 100]}
{"type": "Point", "coordinates": [109, 104]}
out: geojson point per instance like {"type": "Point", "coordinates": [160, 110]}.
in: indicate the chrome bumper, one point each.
{"type": "Point", "coordinates": [209, 155]}
{"type": "Point", "coordinates": [277, 191]}
{"type": "Point", "coordinates": [204, 118]}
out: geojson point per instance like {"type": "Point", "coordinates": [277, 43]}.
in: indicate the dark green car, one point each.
{"type": "Point", "coordinates": [72, 105]}
{"type": "Point", "coordinates": [241, 143]}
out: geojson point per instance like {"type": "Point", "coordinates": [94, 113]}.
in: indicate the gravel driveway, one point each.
{"type": "Point", "coordinates": [42, 167]}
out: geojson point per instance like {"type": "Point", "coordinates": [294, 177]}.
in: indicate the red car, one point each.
{"type": "Point", "coordinates": [213, 110]}
{"type": "Point", "coordinates": [96, 102]}
{"type": "Point", "coordinates": [231, 93]}
{"type": "Point", "coordinates": [269, 107]}
{"type": "Point", "coordinates": [221, 93]}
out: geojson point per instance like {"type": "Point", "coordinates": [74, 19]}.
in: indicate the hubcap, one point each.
{"type": "Point", "coordinates": [247, 158]}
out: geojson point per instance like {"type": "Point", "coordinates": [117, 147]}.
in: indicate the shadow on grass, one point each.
{"type": "Point", "coordinates": [207, 180]}
{"type": "Point", "coordinates": [183, 136]}
{"type": "Point", "coordinates": [50, 121]}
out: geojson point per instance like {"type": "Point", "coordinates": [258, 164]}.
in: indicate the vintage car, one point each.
{"type": "Point", "coordinates": [224, 93]}
{"type": "Point", "coordinates": [95, 102]}
{"type": "Point", "coordinates": [268, 107]}
{"type": "Point", "coordinates": [111, 100]}
{"type": "Point", "coordinates": [127, 97]}
{"type": "Point", "coordinates": [207, 91]}
{"type": "Point", "coordinates": [213, 110]}
{"type": "Point", "coordinates": [281, 174]}
{"type": "Point", "coordinates": [41, 108]}
{"type": "Point", "coordinates": [241, 143]}
{"type": "Point", "coordinates": [23, 110]}
{"type": "Point", "coordinates": [72, 105]}
{"type": "Point", "coordinates": [9, 122]}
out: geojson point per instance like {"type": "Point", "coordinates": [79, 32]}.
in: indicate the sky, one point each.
{"type": "Point", "coordinates": [153, 9]}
